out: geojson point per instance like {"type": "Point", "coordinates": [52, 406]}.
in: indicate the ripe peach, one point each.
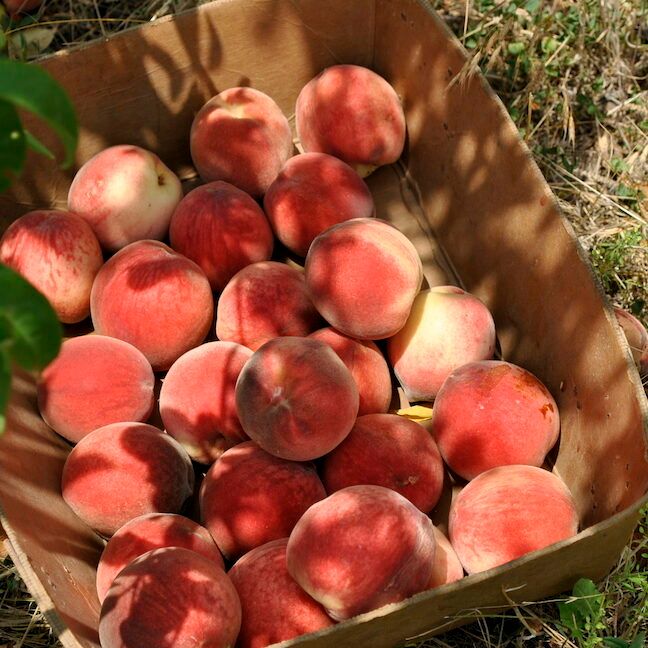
{"type": "Point", "coordinates": [241, 136]}
{"type": "Point", "coordinates": [637, 337]}
{"type": "Point", "coordinates": [391, 451]}
{"type": "Point", "coordinates": [352, 113]}
{"type": "Point", "coordinates": [296, 398]}
{"type": "Point", "coordinates": [126, 194]}
{"type": "Point", "coordinates": [124, 470]}
{"type": "Point", "coordinates": [493, 413]}
{"type": "Point", "coordinates": [274, 607]}
{"type": "Point", "coordinates": [197, 399]}
{"type": "Point", "coordinates": [250, 497]}
{"type": "Point", "coordinates": [507, 512]}
{"type": "Point", "coordinates": [58, 253]}
{"type": "Point", "coordinates": [148, 532]}
{"type": "Point", "coordinates": [17, 7]}
{"type": "Point", "coordinates": [447, 566]}
{"type": "Point", "coordinates": [371, 540]}
{"type": "Point", "coordinates": [367, 366]}
{"type": "Point", "coordinates": [363, 276]}
{"type": "Point", "coordinates": [313, 192]}
{"type": "Point", "coordinates": [446, 329]}
{"type": "Point", "coordinates": [264, 301]}
{"type": "Point", "coordinates": [154, 298]}
{"type": "Point", "coordinates": [222, 229]}
{"type": "Point", "coordinates": [171, 598]}
{"type": "Point", "coordinates": [95, 380]}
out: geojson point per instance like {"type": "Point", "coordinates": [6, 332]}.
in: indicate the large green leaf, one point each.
{"type": "Point", "coordinates": [12, 144]}
{"type": "Point", "coordinates": [29, 328]}
{"type": "Point", "coordinates": [28, 86]}
{"type": "Point", "coordinates": [5, 384]}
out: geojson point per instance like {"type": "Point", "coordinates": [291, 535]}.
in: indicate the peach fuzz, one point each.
{"type": "Point", "coordinates": [94, 381]}
{"type": "Point", "coordinates": [242, 137]}
{"type": "Point", "coordinates": [249, 497]}
{"type": "Point", "coordinates": [368, 537]}
{"type": "Point", "coordinates": [126, 194]}
{"type": "Point", "coordinates": [352, 113]}
{"type": "Point", "coordinates": [122, 471]}
{"type": "Point", "coordinates": [363, 276]}
{"type": "Point", "coordinates": [446, 329]}
{"type": "Point", "coordinates": [264, 301]}
{"type": "Point", "coordinates": [198, 401]}
{"type": "Point", "coordinates": [367, 366]}
{"type": "Point", "coordinates": [447, 567]}
{"type": "Point", "coordinates": [148, 532]}
{"type": "Point", "coordinates": [274, 607]}
{"type": "Point", "coordinates": [222, 229]}
{"type": "Point", "coordinates": [391, 451]}
{"type": "Point", "coordinates": [154, 298]}
{"type": "Point", "coordinates": [296, 398]}
{"type": "Point", "coordinates": [507, 512]}
{"type": "Point", "coordinates": [313, 192]}
{"type": "Point", "coordinates": [637, 338]}
{"type": "Point", "coordinates": [493, 413]}
{"type": "Point", "coordinates": [58, 253]}
{"type": "Point", "coordinates": [170, 598]}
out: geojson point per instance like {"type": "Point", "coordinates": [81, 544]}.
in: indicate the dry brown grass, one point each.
{"type": "Point", "coordinates": [574, 76]}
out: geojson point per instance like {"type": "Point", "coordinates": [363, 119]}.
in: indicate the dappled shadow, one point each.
{"type": "Point", "coordinates": [263, 301]}
{"type": "Point", "coordinates": [466, 193]}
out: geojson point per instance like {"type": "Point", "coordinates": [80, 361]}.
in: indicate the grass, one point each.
{"type": "Point", "coordinates": [574, 77]}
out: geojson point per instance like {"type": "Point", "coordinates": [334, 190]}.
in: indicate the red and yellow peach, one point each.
{"type": "Point", "coordinates": [154, 298]}
{"type": "Point", "coordinates": [58, 253]}
{"type": "Point", "coordinates": [94, 381]}
{"type": "Point", "coordinates": [296, 398]}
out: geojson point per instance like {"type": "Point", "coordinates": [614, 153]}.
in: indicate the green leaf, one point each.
{"type": "Point", "coordinates": [613, 642]}
{"type": "Point", "coordinates": [516, 48]}
{"type": "Point", "coordinates": [585, 607]}
{"type": "Point", "coordinates": [639, 641]}
{"type": "Point", "coordinates": [31, 331]}
{"type": "Point", "coordinates": [38, 146]}
{"type": "Point", "coordinates": [12, 143]}
{"type": "Point", "coordinates": [30, 87]}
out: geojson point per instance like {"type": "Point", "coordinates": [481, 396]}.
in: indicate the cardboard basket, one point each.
{"type": "Point", "coordinates": [466, 192]}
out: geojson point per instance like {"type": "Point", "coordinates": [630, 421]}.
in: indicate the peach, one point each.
{"type": "Point", "coordinates": [637, 338]}
{"type": "Point", "coordinates": [446, 329]}
{"type": "Point", "coordinates": [154, 298]}
{"type": "Point", "coordinates": [250, 497]}
{"type": "Point", "coordinates": [94, 381]}
{"type": "Point", "coordinates": [507, 512]}
{"type": "Point", "coordinates": [242, 137]}
{"type": "Point", "coordinates": [148, 532]}
{"type": "Point", "coordinates": [16, 7]}
{"type": "Point", "coordinates": [447, 567]}
{"type": "Point", "coordinates": [361, 548]}
{"type": "Point", "coordinates": [313, 192]}
{"type": "Point", "coordinates": [296, 398]}
{"type": "Point", "coordinates": [391, 451]}
{"type": "Point", "coordinates": [124, 470]}
{"type": "Point", "coordinates": [367, 366]}
{"type": "Point", "coordinates": [352, 113]}
{"type": "Point", "coordinates": [126, 194]}
{"type": "Point", "coordinates": [363, 276]}
{"type": "Point", "coordinates": [264, 301]}
{"type": "Point", "coordinates": [58, 253]}
{"type": "Point", "coordinates": [274, 607]}
{"type": "Point", "coordinates": [222, 229]}
{"type": "Point", "coordinates": [198, 402]}
{"type": "Point", "coordinates": [171, 598]}
{"type": "Point", "coordinates": [493, 413]}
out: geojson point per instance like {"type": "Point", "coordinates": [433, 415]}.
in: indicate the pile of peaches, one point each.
{"type": "Point", "coordinates": [316, 495]}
